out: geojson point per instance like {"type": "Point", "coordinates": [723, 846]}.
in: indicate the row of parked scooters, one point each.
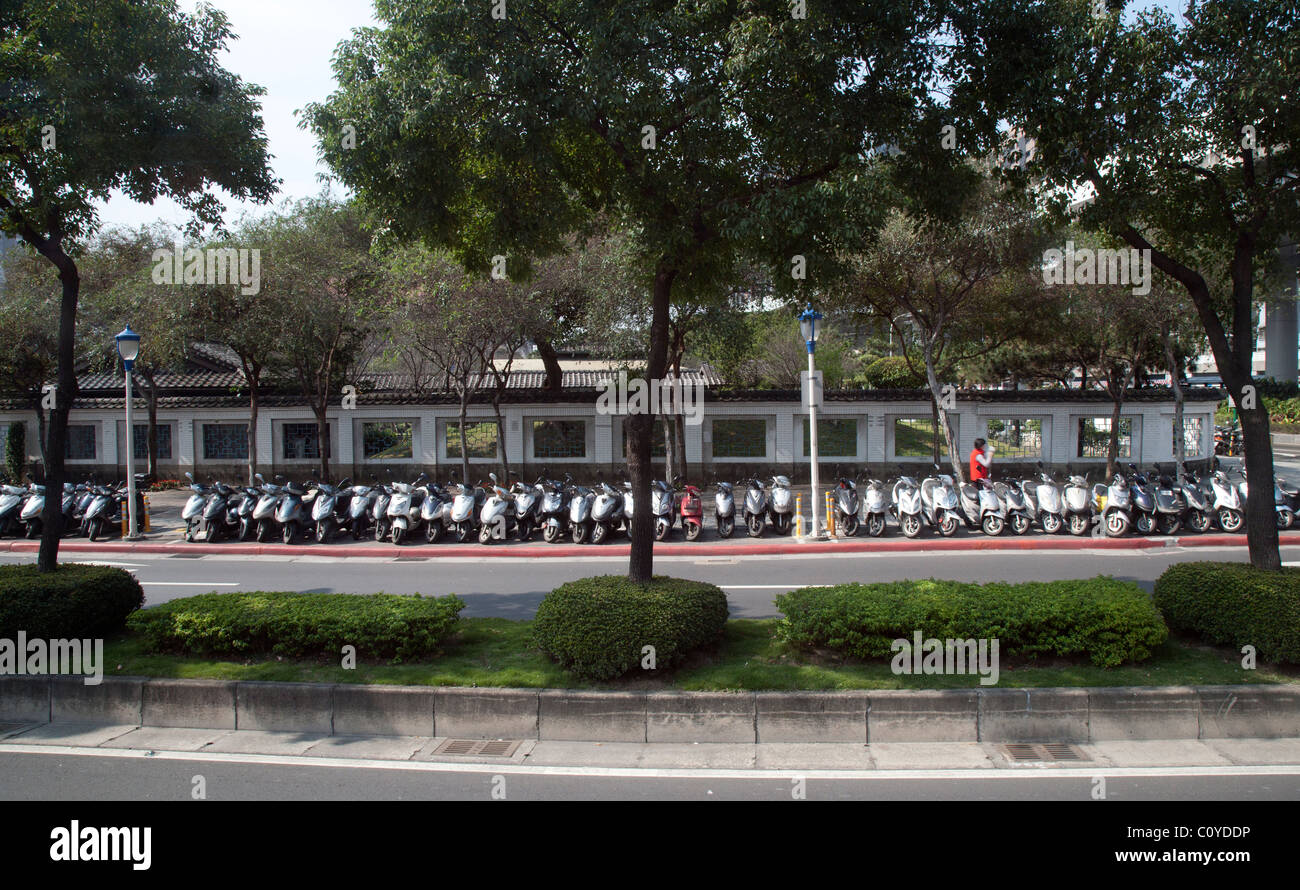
{"type": "Point", "coordinates": [561, 509]}
{"type": "Point", "coordinates": [90, 509]}
{"type": "Point", "coordinates": [1146, 503]}
{"type": "Point", "coordinates": [399, 511]}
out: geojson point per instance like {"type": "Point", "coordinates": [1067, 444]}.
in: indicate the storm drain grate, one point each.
{"type": "Point", "coordinates": [1054, 752]}
{"type": "Point", "coordinates": [478, 747]}
{"type": "Point", "coordinates": [186, 556]}
{"type": "Point", "coordinates": [411, 559]}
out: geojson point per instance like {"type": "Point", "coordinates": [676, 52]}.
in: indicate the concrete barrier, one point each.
{"type": "Point", "coordinates": [114, 700]}
{"type": "Point", "coordinates": [288, 707]}
{"type": "Point", "coordinates": [466, 713]}
{"type": "Point", "coordinates": [812, 716]}
{"type": "Point", "coordinates": [383, 710]}
{"type": "Point", "coordinates": [923, 715]}
{"type": "Point", "coordinates": [700, 717]}
{"type": "Point", "coordinates": [1033, 715]}
{"type": "Point", "coordinates": [1137, 713]}
{"type": "Point", "coordinates": [24, 699]}
{"type": "Point", "coordinates": [201, 704]}
{"type": "Point", "coordinates": [1249, 712]}
{"type": "Point", "coordinates": [582, 716]}
{"type": "Point", "coordinates": [960, 715]}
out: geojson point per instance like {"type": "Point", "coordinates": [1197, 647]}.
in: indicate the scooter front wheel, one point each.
{"type": "Point", "coordinates": [525, 530]}
{"type": "Point", "coordinates": [289, 532]}
{"type": "Point", "coordinates": [1168, 524]}
{"type": "Point", "coordinates": [34, 528]}
{"type": "Point", "coordinates": [911, 525]}
{"type": "Point", "coordinates": [693, 530]}
{"type": "Point", "coordinates": [849, 522]}
{"type": "Point", "coordinates": [323, 530]}
{"type": "Point", "coordinates": [600, 531]}
{"type": "Point", "coordinates": [580, 533]}
{"type": "Point", "coordinates": [1020, 523]}
{"type": "Point", "coordinates": [876, 525]}
{"type": "Point", "coordinates": [948, 525]}
{"type": "Point", "coordinates": [433, 531]}
{"type": "Point", "coordinates": [1051, 523]}
{"type": "Point", "coordinates": [1198, 521]}
{"type": "Point", "coordinates": [485, 534]}
{"type": "Point", "coordinates": [263, 531]}
{"type": "Point", "coordinates": [992, 525]}
{"type": "Point", "coordinates": [661, 530]}
{"type": "Point", "coordinates": [1145, 523]}
{"type": "Point", "coordinates": [755, 525]}
{"type": "Point", "coordinates": [551, 533]}
{"type": "Point", "coordinates": [463, 531]}
{"type": "Point", "coordinates": [94, 527]}
{"type": "Point", "coordinates": [1285, 519]}
{"type": "Point", "coordinates": [1079, 524]}
{"type": "Point", "coordinates": [398, 534]}
{"type": "Point", "coordinates": [726, 525]}
{"type": "Point", "coordinates": [782, 523]}
{"type": "Point", "coordinates": [189, 532]}
{"type": "Point", "coordinates": [1116, 525]}
{"type": "Point", "coordinates": [1230, 520]}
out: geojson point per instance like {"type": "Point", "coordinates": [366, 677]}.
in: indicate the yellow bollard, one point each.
{"type": "Point", "coordinates": [830, 514]}
{"type": "Point", "coordinates": [146, 512]}
{"type": "Point", "coordinates": [798, 515]}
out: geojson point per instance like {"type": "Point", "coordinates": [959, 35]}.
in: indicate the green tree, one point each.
{"type": "Point", "coordinates": [704, 129]}
{"type": "Point", "coordinates": [1180, 139]}
{"type": "Point", "coordinates": [104, 95]}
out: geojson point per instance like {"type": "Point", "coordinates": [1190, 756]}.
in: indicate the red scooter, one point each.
{"type": "Point", "coordinates": [692, 512]}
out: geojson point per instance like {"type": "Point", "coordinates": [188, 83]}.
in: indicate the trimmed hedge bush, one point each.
{"type": "Point", "coordinates": [72, 602]}
{"type": "Point", "coordinates": [1234, 604]}
{"type": "Point", "coordinates": [1106, 620]}
{"type": "Point", "coordinates": [597, 627]}
{"type": "Point", "coordinates": [300, 625]}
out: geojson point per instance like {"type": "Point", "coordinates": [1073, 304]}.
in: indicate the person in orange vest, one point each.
{"type": "Point", "coordinates": [981, 460]}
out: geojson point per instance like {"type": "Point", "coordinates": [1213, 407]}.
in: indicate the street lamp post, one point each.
{"type": "Point", "coordinates": [808, 325]}
{"type": "Point", "coordinates": [128, 347]}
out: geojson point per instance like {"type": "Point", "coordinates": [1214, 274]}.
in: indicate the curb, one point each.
{"type": "Point", "coordinates": [570, 551]}
{"type": "Point", "coordinates": [957, 715]}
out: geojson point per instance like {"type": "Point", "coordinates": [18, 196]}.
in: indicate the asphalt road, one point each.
{"type": "Point", "coordinates": [53, 777]}
{"type": "Point", "coordinates": [512, 588]}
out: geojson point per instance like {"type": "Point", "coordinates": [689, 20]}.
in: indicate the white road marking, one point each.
{"type": "Point", "coordinates": [1081, 773]}
{"type": "Point", "coordinates": [190, 583]}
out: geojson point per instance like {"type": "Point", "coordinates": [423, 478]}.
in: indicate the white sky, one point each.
{"type": "Point", "coordinates": [285, 46]}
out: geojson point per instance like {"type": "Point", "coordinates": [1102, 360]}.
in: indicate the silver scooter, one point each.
{"type": "Point", "coordinates": [908, 507]}
{"type": "Point", "coordinates": [724, 509]}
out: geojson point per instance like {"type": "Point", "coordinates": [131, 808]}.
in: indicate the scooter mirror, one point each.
{"type": "Point", "coordinates": [493, 477]}
{"type": "Point", "coordinates": [258, 477]}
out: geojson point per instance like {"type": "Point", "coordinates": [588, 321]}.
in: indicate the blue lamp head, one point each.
{"type": "Point", "coordinates": [128, 346]}
{"type": "Point", "coordinates": [808, 324]}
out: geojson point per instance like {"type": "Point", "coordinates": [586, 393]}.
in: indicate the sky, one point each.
{"type": "Point", "coordinates": [286, 46]}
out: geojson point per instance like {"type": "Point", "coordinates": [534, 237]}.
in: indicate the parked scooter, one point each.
{"type": "Point", "coordinates": [1197, 515]}
{"type": "Point", "coordinates": [939, 503]}
{"type": "Point", "coordinates": [847, 505]}
{"type": "Point", "coordinates": [1281, 505]}
{"type": "Point", "coordinates": [661, 508]}
{"type": "Point", "coordinates": [1167, 499]}
{"type": "Point", "coordinates": [404, 509]}
{"type": "Point", "coordinates": [220, 512]}
{"type": "Point", "coordinates": [908, 508]}
{"type": "Point", "coordinates": [1015, 507]}
{"type": "Point", "coordinates": [875, 508]}
{"type": "Point", "coordinates": [12, 498]}
{"type": "Point", "coordinates": [1225, 502]}
{"type": "Point", "coordinates": [1077, 500]}
{"type": "Point", "coordinates": [554, 511]}
{"type": "Point", "coordinates": [497, 515]}
{"type": "Point", "coordinates": [528, 505]}
{"type": "Point", "coordinates": [329, 509]}
{"type": "Point", "coordinates": [1044, 500]}
{"type": "Point", "coordinates": [33, 508]}
{"type": "Point", "coordinates": [1113, 505]}
{"type": "Point", "coordinates": [692, 512]}
{"type": "Point", "coordinates": [756, 508]}
{"type": "Point", "coordinates": [268, 505]}
{"type": "Point", "coordinates": [982, 508]}
{"type": "Point", "coordinates": [1144, 502]}
{"type": "Point", "coordinates": [781, 510]}
{"type": "Point", "coordinates": [292, 515]}
{"type": "Point", "coordinates": [435, 512]}
{"type": "Point", "coordinates": [581, 500]}
{"type": "Point", "coordinates": [104, 515]}
{"type": "Point", "coordinates": [606, 515]}
{"type": "Point", "coordinates": [192, 512]}
{"type": "Point", "coordinates": [464, 514]}
{"type": "Point", "coordinates": [361, 510]}
{"type": "Point", "coordinates": [724, 509]}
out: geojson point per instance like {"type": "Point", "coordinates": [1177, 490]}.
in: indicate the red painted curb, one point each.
{"type": "Point", "coordinates": [776, 548]}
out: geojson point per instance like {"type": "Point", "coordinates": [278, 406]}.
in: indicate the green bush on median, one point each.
{"type": "Point", "coordinates": [73, 601]}
{"type": "Point", "coordinates": [300, 625]}
{"type": "Point", "coordinates": [599, 627]}
{"type": "Point", "coordinates": [1235, 604]}
{"type": "Point", "coordinates": [1107, 620]}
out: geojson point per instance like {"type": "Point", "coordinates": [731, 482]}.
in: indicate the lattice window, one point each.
{"type": "Point", "coordinates": [225, 441]}
{"type": "Point", "coordinates": [559, 439]}
{"type": "Point", "coordinates": [740, 437]}
{"type": "Point", "coordinates": [301, 441]}
{"type": "Point", "coordinates": [480, 440]}
{"type": "Point", "coordinates": [1094, 436]}
{"type": "Point", "coordinates": [835, 438]}
{"type": "Point", "coordinates": [1193, 427]}
{"type": "Point", "coordinates": [81, 442]}
{"type": "Point", "coordinates": [140, 441]}
{"type": "Point", "coordinates": [387, 441]}
{"type": "Point", "coordinates": [1016, 438]}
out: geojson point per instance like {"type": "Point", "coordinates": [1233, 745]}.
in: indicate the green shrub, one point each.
{"type": "Point", "coordinates": [597, 627]}
{"type": "Point", "coordinates": [1234, 604]}
{"type": "Point", "coordinates": [16, 451]}
{"type": "Point", "coordinates": [72, 602]}
{"type": "Point", "coordinates": [892, 372]}
{"type": "Point", "coordinates": [300, 625]}
{"type": "Point", "coordinates": [1106, 620]}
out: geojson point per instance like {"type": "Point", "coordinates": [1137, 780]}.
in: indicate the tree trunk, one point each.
{"type": "Point", "coordinates": [41, 430]}
{"type": "Point", "coordinates": [252, 373]}
{"type": "Point", "coordinates": [52, 518]}
{"type": "Point", "coordinates": [942, 421]}
{"type": "Point", "coordinates": [679, 445]}
{"type": "Point", "coordinates": [501, 441]}
{"type": "Point", "coordinates": [464, 449]}
{"type": "Point", "coordinates": [670, 448]}
{"type": "Point", "coordinates": [551, 361]}
{"type": "Point", "coordinates": [641, 558]}
{"type": "Point", "coordinates": [1112, 444]}
{"type": "Point", "coordinates": [151, 406]}
{"type": "Point", "coordinates": [321, 409]}
{"type": "Point", "coordinates": [1176, 384]}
